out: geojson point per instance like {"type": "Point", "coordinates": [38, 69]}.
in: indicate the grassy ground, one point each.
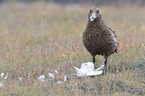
{"type": "Point", "coordinates": [40, 37]}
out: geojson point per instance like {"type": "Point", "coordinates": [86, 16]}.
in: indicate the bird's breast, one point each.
{"type": "Point", "coordinates": [98, 39]}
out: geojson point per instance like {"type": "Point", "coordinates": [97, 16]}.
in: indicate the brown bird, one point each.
{"type": "Point", "coordinates": [98, 38]}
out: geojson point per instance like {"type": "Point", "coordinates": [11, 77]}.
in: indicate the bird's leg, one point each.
{"type": "Point", "coordinates": [105, 66]}
{"type": "Point", "coordinates": [94, 60]}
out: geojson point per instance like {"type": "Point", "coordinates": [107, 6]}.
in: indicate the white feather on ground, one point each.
{"type": "Point", "coordinates": [87, 69]}
{"type": "Point", "coordinates": [51, 75]}
{"type": "Point", "coordinates": [42, 77]}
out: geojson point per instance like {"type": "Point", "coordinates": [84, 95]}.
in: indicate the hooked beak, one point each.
{"type": "Point", "coordinates": [93, 16]}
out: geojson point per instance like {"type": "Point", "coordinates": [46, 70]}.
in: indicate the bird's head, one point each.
{"type": "Point", "coordinates": [94, 14]}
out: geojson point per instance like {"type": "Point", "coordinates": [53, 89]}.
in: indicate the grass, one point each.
{"type": "Point", "coordinates": [39, 37]}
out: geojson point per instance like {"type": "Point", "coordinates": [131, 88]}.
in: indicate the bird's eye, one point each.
{"type": "Point", "coordinates": [90, 11]}
{"type": "Point", "coordinates": [97, 11]}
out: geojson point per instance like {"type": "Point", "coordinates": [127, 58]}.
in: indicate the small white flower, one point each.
{"type": "Point", "coordinates": [65, 78]}
{"type": "Point", "coordinates": [2, 75]}
{"type": "Point", "coordinates": [20, 78]}
{"type": "Point", "coordinates": [42, 77]}
{"type": "Point", "coordinates": [51, 75]}
{"type": "Point", "coordinates": [56, 71]}
{"type": "Point", "coordinates": [1, 84]}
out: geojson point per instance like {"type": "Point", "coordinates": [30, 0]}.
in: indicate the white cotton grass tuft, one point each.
{"type": "Point", "coordinates": [2, 75]}
{"type": "Point", "coordinates": [41, 78]}
{"type": "Point", "coordinates": [51, 75]}
{"type": "Point", "coordinates": [56, 71]}
{"type": "Point", "coordinates": [1, 84]}
{"type": "Point", "coordinates": [87, 69]}
{"type": "Point", "coordinates": [59, 82]}
{"type": "Point", "coordinates": [20, 78]}
{"type": "Point", "coordinates": [65, 78]}
{"type": "Point", "coordinates": [6, 76]}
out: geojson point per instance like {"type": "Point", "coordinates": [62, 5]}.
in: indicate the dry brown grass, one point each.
{"type": "Point", "coordinates": [38, 38]}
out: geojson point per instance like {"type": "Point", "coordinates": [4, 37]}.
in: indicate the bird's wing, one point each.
{"type": "Point", "coordinates": [77, 69]}
{"type": "Point", "coordinates": [100, 68]}
{"type": "Point", "coordinates": [115, 37]}
{"type": "Point", "coordinates": [93, 73]}
{"type": "Point", "coordinates": [113, 32]}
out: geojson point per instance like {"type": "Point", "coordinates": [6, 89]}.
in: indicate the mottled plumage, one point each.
{"type": "Point", "coordinates": [98, 38]}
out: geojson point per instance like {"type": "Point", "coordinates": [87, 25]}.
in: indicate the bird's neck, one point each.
{"type": "Point", "coordinates": [100, 24]}
{"type": "Point", "coordinates": [96, 22]}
